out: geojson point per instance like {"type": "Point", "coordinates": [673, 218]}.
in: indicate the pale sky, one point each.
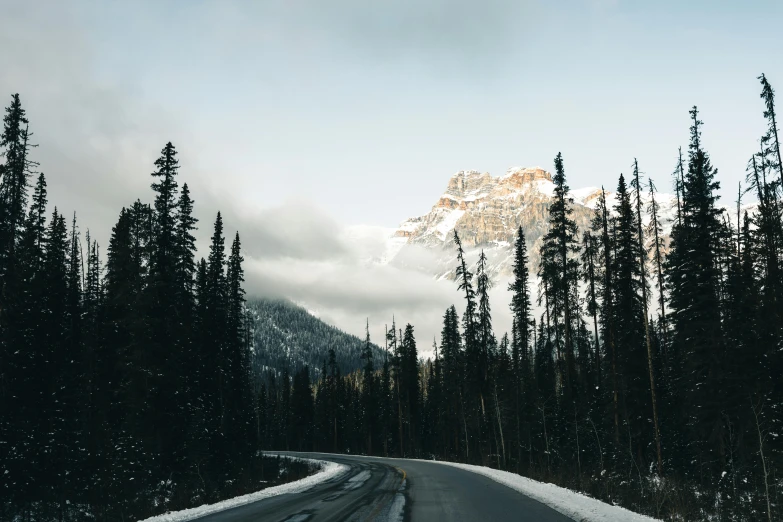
{"type": "Point", "coordinates": [298, 117]}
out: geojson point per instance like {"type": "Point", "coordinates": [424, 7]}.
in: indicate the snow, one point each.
{"type": "Point", "coordinates": [544, 187]}
{"type": "Point", "coordinates": [514, 170]}
{"type": "Point", "coordinates": [581, 194]}
{"type": "Point", "coordinates": [448, 223]}
{"type": "Point", "coordinates": [328, 471]}
{"type": "Point", "coordinates": [357, 481]}
{"type": "Point", "coordinates": [576, 506]}
{"type": "Point", "coordinates": [398, 504]}
{"type": "Point", "coordinates": [570, 503]}
{"type": "Point", "coordinates": [392, 248]}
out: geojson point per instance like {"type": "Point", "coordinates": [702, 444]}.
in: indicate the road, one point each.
{"type": "Point", "coordinates": [374, 489]}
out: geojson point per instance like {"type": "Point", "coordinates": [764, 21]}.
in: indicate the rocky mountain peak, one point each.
{"type": "Point", "coordinates": [487, 211]}
{"type": "Point", "coordinates": [469, 189]}
{"type": "Point", "coordinates": [518, 176]}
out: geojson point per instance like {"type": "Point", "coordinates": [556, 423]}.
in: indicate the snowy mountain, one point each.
{"type": "Point", "coordinates": [486, 211]}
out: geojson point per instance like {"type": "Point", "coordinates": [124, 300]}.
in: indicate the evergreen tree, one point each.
{"type": "Point", "coordinates": [469, 318]}
{"type": "Point", "coordinates": [237, 398]}
{"type": "Point", "coordinates": [453, 378]}
{"type": "Point", "coordinates": [601, 227]}
{"type": "Point", "coordinates": [520, 335]}
{"type": "Point", "coordinates": [216, 372]}
{"type": "Point", "coordinates": [486, 338]}
{"type": "Point", "coordinates": [166, 354]}
{"type": "Point", "coordinates": [409, 390]}
{"type": "Point", "coordinates": [384, 398]}
{"type": "Point", "coordinates": [694, 279]}
{"type": "Point", "coordinates": [589, 260]}
{"type": "Point", "coordinates": [27, 406]}
{"type": "Point", "coordinates": [59, 443]}
{"type": "Point", "coordinates": [636, 184]}
{"type": "Point", "coordinates": [658, 251]}
{"type": "Point", "coordinates": [14, 176]}
{"type": "Point", "coordinates": [630, 336]}
{"type": "Point", "coordinates": [302, 410]}
{"type": "Point", "coordinates": [369, 395]}
{"type": "Point", "coordinates": [561, 273]}
{"type": "Point", "coordinates": [485, 335]}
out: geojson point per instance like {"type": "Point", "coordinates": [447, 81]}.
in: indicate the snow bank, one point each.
{"type": "Point", "coordinates": [570, 503]}
{"type": "Point", "coordinates": [328, 470]}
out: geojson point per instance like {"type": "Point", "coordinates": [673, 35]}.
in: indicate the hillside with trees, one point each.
{"type": "Point", "coordinates": [286, 337]}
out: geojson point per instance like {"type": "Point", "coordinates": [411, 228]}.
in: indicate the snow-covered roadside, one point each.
{"type": "Point", "coordinates": [570, 503]}
{"type": "Point", "coordinates": [574, 505]}
{"type": "Point", "coordinates": [328, 470]}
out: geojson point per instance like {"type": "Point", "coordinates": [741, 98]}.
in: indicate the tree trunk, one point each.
{"type": "Point", "coordinates": [500, 426]}
{"type": "Point", "coordinates": [643, 272]}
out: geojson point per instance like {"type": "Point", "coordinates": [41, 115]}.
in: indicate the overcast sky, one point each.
{"type": "Point", "coordinates": [299, 117]}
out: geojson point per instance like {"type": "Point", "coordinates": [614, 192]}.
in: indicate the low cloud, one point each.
{"type": "Point", "coordinates": [343, 286]}
{"type": "Point", "coordinates": [296, 230]}
{"type": "Point", "coordinates": [348, 285]}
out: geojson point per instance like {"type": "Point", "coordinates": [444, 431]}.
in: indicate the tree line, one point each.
{"type": "Point", "coordinates": [125, 382]}
{"type": "Point", "coordinates": [651, 377]}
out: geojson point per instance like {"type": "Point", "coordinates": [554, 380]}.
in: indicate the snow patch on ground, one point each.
{"type": "Point", "coordinates": [328, 471]}
{"type": "Point", "coordinates": [398, 505]}
{"type": "Point", "coordinates": [357, 481]}
{"type": "Point", "coordinates": [570, 503]}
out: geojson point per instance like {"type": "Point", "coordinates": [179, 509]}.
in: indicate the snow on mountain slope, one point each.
{"type": "Point", "coordinates": [486, 211]}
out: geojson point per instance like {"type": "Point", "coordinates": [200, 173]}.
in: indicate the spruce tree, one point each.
{"type": "Point", "coordinates": [694, 279]}
{"type": "Point", "coordinates": [658, 252]}
{"type": "Point", "coordinates": [216, 372]}
{"type": "Point", "coordinates": [369, 395]}
{"type": "Point", "coordinates": [469, 318]}
{"type": "Point", "coordinates": [637, 186]}
{"type": "Point", "coordinates": [520, 335]}
{"type": "Point", "coordinates": [14, 176]}
{"type": "Point", "coordinates": [302, 410]}
{"type": "Point", "coordinates": [27, 404]}
{"type": "Point", "coordinates": [629, 313]}
{"type": "Point", "coordinates": [601, 227]}
{"type": "Point", "coordinates": [453, 378]}
{"type": "Point", "coordinates": [561, 272]}
{"type": "Point", "coordinates": [237, 393]}
{"type": "Point", "coordinates": [384, 398]}
{"type": "Point", "coordinates": [61, 427]}
{"type": "Point", "coordinates": [163, 316]}
{"type": "Point", "coordinates": [486, 337]}
{"type": "Point", "coordinates": [409, 390]}
{"type": "Point", "coordinates": [589, 260]}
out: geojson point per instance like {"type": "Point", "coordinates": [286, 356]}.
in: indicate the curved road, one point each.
{"type": "Point", "coordinates": [374, 490]}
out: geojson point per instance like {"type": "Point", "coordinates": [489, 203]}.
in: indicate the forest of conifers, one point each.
{"type": "Point", "coordinates": [650, 378]}
{"type": "Point", "coordinates": [125, 385]}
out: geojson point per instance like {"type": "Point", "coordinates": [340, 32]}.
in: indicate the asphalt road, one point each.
{"type": "Point", "coordinates": [374, 489]}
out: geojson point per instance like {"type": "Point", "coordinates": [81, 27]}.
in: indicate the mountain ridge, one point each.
{"type": "Point", "coordinates": [487, 210]}
{"type": "Point", "coordinates": [286, 335]}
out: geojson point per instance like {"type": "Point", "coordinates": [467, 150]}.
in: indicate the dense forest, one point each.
{"type": "Point", "coordinates": [651, 377]}
{"type": "Point", "coordinates": [125, 378]}
{"type": "Point", "coordinates": [286, 337]}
